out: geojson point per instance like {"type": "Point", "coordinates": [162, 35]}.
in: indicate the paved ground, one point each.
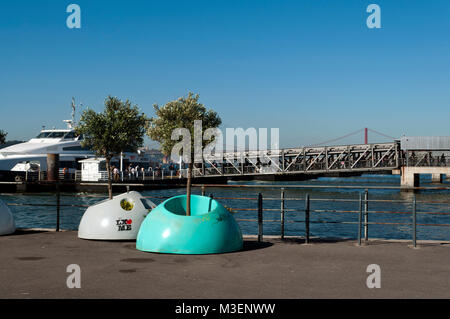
{"type": "Point", "coordinates": [33, 265]}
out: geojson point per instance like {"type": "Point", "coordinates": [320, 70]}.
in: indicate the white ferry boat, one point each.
{"type": "Point", "coordinates": [31, 156]}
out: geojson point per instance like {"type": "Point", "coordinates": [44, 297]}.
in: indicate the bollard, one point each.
{"type": "Point", "coordinates": [203, 190]}
{"type": "Point", "coordinates": [282, 213]}
{"type": "Point", "coordinates": [360, 219]}
{"type": "Point", "coordinates": [307, 204]}
{"type": "Point", "coordinates": [414, 216]}
{"type": "Point", "coordinates": [260, 217]}
{"type": "Point", "coordinates": [366, 215]}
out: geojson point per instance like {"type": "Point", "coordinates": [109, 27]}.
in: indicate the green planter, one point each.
{"type": "Point", "coordinates": [210, 229]}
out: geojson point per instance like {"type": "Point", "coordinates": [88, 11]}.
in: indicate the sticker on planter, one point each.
{"type": "Point", "coordinates": [124, 224]}
{"type": "Point", "coordinates": [126, 204]}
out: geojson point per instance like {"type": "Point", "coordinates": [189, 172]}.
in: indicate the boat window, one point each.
{"type": "Point", "coordinates": [56, 135]}
{"type": "Point", "coordinates": [102, 166]}
{"type": "Point", "coordinates": [69, 135]}
{"type": "Point", "coordinates": [73, 148]}
{"type": "Point", "coordinates": [43, 135]}
{"type": "Point", "coordinates": [67, 164]}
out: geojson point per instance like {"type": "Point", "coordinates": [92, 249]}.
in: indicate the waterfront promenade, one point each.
{"type": "Point", "coordinates": [33, 265]}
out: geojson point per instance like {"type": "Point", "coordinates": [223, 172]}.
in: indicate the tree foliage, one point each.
{"type": "Point", "coordinates": [180, 113]}
{"type": "Point", "coordinates": [120, 127]}
{"type": "Point", "coordinates": [3, 137]}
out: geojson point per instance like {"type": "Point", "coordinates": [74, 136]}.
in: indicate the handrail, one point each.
{"type": "Point", "coordinates": [303, 186]}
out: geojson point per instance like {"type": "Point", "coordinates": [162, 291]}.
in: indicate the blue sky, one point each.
{"type": "Point", "coordinates": [311, 68]}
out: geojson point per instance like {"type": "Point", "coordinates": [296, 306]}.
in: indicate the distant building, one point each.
{"type": "Point", "coordinates": [425, 143]}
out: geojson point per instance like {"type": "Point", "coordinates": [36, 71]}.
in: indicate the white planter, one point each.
{"type": "Point", "coordinates": [111, 219]}
{"type": "Point", "coordinates": [7, 225]}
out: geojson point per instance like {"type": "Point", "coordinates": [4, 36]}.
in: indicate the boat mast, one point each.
{"type": "Point", "coordinates": [73, 112]}
{"type": "Point", "coordinates": [71, 123]}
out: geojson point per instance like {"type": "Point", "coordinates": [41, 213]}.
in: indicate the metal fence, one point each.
{"type": "Point", "coordinates": [361, 207]}
{"type": "Point", "coordinates": [427, 158]}
{"type": "Point", "coordinates": [363, 212]}
{"type": "Point", "coordinates": [101, 176]}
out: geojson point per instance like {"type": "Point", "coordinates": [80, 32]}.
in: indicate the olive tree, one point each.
{"type": "Point", "coordinates": [119, 127]}
{"type": "Point", "coordinates": [181, 114]}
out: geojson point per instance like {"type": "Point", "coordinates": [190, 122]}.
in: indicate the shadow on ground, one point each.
{"type": "Point", "coordinates": [254, 245]}
{"type": "Point", "coordinates": [20, 231]}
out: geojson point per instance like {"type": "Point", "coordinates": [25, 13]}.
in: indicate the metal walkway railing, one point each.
{"type": "Point", "coordinates": [310, 211]}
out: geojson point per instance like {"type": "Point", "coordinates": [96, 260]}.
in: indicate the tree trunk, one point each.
{"type": "Point", "coordinates": [188, 189]}
{"type": "Point", "coordinates": [108, 169]}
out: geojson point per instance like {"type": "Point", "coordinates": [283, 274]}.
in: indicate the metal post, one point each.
{"type": "Point", "coordinates": [203, 190]}
{"type": "Point", "coordinates": [414, 215]}
{"type": "Point", "coordinates": [366, 215]}
{"type": "Point", "coordinates": [282, 213]}
{"type": "Point", "coordinates": [307, 204]}
{"type": "Point", "coordinates": [260, 217]}
{"type": "Point", "coordinates": [58, 206]}
{"type": "Point", "coordinates": [360, 219]}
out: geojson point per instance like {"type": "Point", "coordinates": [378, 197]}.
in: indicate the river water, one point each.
{"type": "Point", "coordinates": [45, 217]}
